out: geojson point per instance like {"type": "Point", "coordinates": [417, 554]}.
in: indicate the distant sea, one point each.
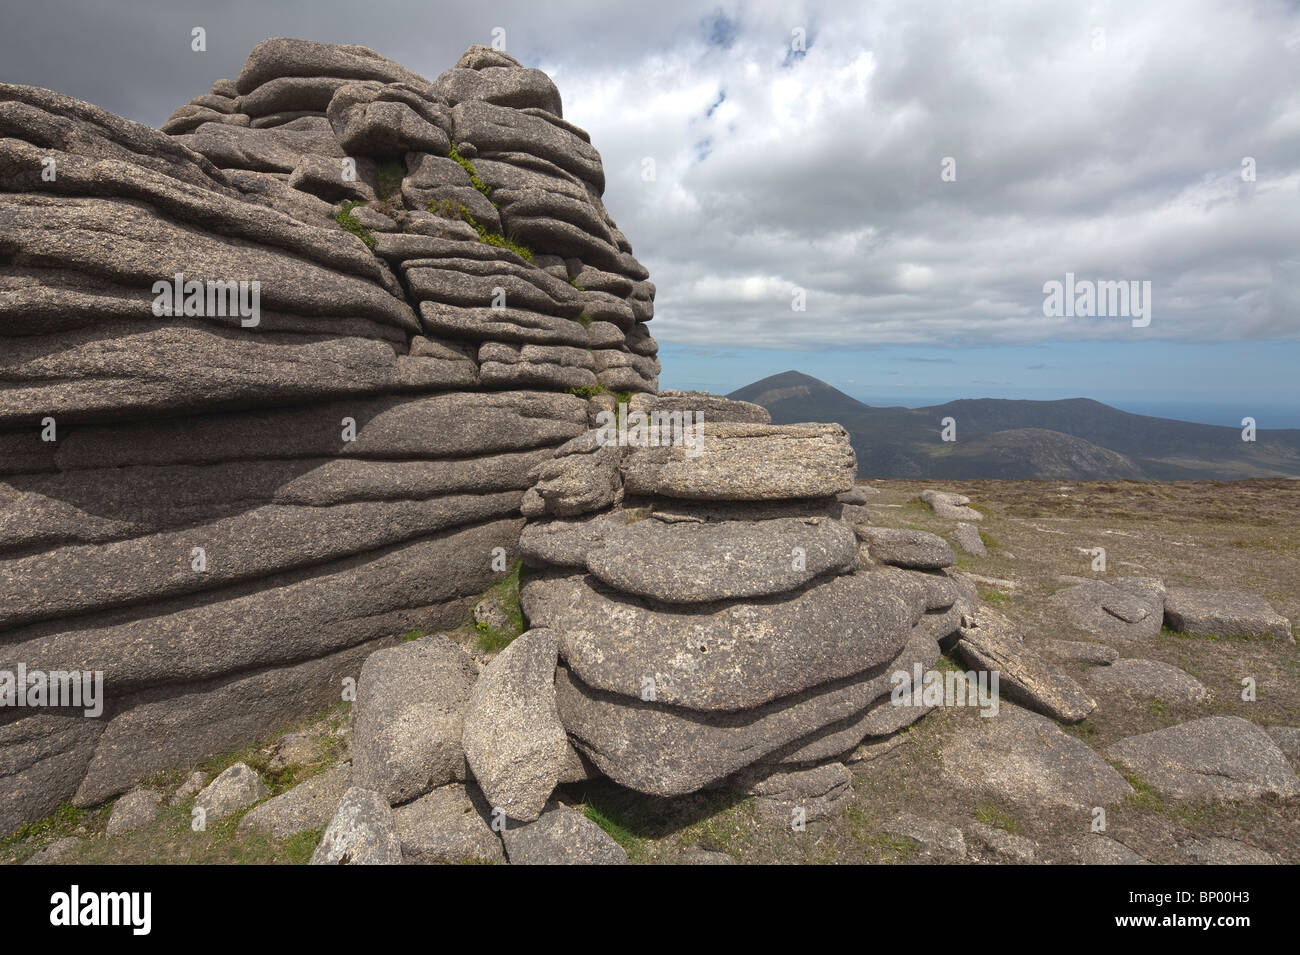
{"type": "Point", "coordinates": [1269, 415]}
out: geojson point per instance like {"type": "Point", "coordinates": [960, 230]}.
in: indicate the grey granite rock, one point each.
{"type": "Point", "coordinates": [1081, 651]}
{"type": "Point", "coordinates": [1217, 757]}
{"type": "Point", "coordinates": [1024, 677]}
{"type": "Point", "coordinates": [410, 709]}
{"type": "Point", "coordinates": [231, 791]}
{"type": "Point", "coordinates": [561, 836]}
{"type": "Point", "coordinates": [1151, 679]}
{"type": "Point", "coordinates": [309, 805]}
{"type": "Point", "coordinates": [446, 827]}
{"type": "Point", "coordinates": [1026, 759]}
{"type": "Point", "coordinates": [135, 810]}
{"type": "Point", "coordinates": [362, 831]}
{"type": "Point", "coordinates": [514, 742]}
{"type": "Point", "coordinates": [902, 547]}
{"type": "Point", "coordinates": [699, 563]}
{"type": "Point", "coordinates": [693, 656]}
{"type": "Point", "coordinates": [749, 462]}
{"type": "Point", "coordinates": [1224, 613]}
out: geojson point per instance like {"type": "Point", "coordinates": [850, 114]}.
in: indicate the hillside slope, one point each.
{"type": "Point", "coordinates": [1070, 439]}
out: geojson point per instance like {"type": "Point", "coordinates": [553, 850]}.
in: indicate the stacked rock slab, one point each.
{"type": "Point", "coordinates": [226, 510]}
{"type": "Point", "coordinates": [713, 610]}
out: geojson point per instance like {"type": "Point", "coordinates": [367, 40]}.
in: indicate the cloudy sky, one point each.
{"type": "Point", "coordinates": [918, 170]}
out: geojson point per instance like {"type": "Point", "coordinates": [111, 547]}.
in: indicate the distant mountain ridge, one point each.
{"type": "Point", "coordinates": [1071, 439]}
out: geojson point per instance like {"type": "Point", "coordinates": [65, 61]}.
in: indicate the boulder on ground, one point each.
{"type": "Point", "coordinates": [968, 539]}
{"type": "Point", "coordinates": [410, 718]}
{"type": "Point", "coordinates": [988, 843]}
{"type": "Point", "coordinates": [1026, 759]}
{"type": "Point", "coordinates": [514, 742]}
{"type": "Point", "coordinates": [1215, 851]}
{"type": "Point", "coordinates": [1151, 679]}
{"type": "Point", "coordinates": [237, 787]}
{"type": "Point", "coordinates": [446, 827]}
{"type": "Point", "coordinates": [1224, 613]}
{"type": "Point", "coordinates": [934, 837]}
{"type": "Point", "coordinates": [1023, 676]}
{"type": "Point", "coordinates": [309, 805]}
{"type": "Point", "coordinates": [1217, 757]}
{"type": "Point", "coordinates": [1081, 651]}
{"type": "Point", "coordinates": [361, 832]}
{"type": "Point", "coordinates": [135, 810]}
{"type": "Point", "coordinates": [1097, 849]}
{"type": "Point", "coordinates": [951, 506]}
{"type": "Point", "coordinates": [787, 796]}
{"type": "Point", "coordinates": [561, 836]}
{"type": "Point", "coordinates": [1111, 609]}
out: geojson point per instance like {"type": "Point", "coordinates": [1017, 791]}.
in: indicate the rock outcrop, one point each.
{"type": "Point", "coordinates": [274, 381]}
{"type": "Point", "coordinates": [714, 611]}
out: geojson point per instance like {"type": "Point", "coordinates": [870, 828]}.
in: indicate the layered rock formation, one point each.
{"type": "Point", "coordinates": [714, 611]}
{"type": "Point", "coordinates": [227, 505]}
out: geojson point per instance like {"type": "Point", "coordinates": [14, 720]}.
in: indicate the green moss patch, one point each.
{"type": "Point", "coordinates": [348, 222]}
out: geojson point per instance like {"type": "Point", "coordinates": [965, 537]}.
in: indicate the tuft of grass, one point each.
{"type": "Point", "coordinates": [991, 815]}
{"type": "Point", "coordinates": [468, 166]}
{"type": "Point", "coordinates": [61, 823]}
{"type": "Point", "coordinates": [506, 595]}
{"type": "Point", "coordinates": [587, 391]}
{"type": "Point", "coordinates": [992, 596]}
{"type": "Point", "coordinates": [486, 236]}
{"type": "Point", "coordinates": [299, 847]}
{"type": "Point", "coordinates": [583, 319]}
{"type": "Point", "coordinates": [416, 634]}
{"type": "Point", "coordinates": [349, 223]}
{"type": "Point", "coordinates": [990, 542]}
{"type": "Point", "coordinates": [391, 174]}
{"type": "Point", "coordinates": [574, 282]}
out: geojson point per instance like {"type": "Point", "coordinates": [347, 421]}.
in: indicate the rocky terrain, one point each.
{"type": "Point", "coordinates": [418, 565]}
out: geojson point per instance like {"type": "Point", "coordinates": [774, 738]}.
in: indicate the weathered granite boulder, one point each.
{"type": "Point", "coordinates": [1024, 677]}
{"type": "Point", "coordinates": [685, 563]}
{"type": "Point", "coordinates": [1123, 609]}
{"type": "Point", "coordinates": [309, 805]}
{"type": "Point", "coordinates": [513, 738]}
{"type": "Point", "coordinates": [361, 832]}
{"type": "Point", "coordinates": [445, 826]}
{"type": "Point", "coordinates": [1151, 679]}
{"type": "Point", "coordinates": [1224, 613]}
{"type": "Point", "coordinates": [902, 547]}
{"type": "Point", "coordinates": [1024, 758]}
{"type": "Point", "coordinates": [725, 655]}
{"type": "Point", "coordinates": [561, 836]}
{"type": "Point", "coordinates": [410, 711]}
{"type": "Point", "coordinates": [235, 788]}
{"type": "Point", "coordinates": [1217, 757]}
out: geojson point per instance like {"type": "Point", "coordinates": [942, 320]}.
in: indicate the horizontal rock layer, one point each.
{"type": "Point", "coordinates": [225, 500]}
